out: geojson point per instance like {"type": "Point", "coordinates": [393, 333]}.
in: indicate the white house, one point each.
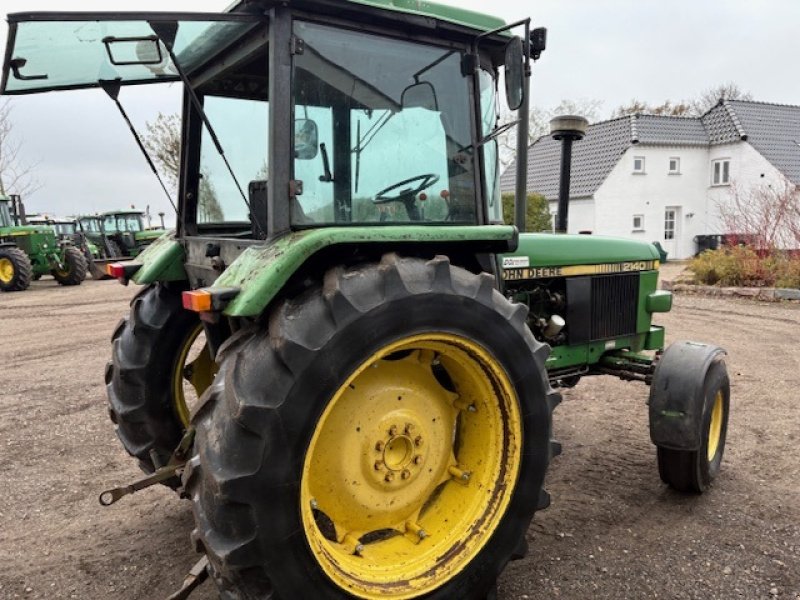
{"type": "Point", "coordinates": [658, 178]}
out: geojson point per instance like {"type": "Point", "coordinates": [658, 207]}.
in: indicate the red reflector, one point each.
{"type": "Point", "coordinates": [423, 196]}
{"type": "Point", "coordinates": [116, 270]}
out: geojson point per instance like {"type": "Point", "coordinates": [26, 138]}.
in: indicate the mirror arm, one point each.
{"type": "Point", "coordinates": [521, 192]}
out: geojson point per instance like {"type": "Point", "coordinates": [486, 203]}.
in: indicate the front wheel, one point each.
{"type": "Point", "coordinates": [74, 267]}
{"type": "Point", "coordinates": [694, 470]}
{"type": "Point", "coordinates": [385, 437]}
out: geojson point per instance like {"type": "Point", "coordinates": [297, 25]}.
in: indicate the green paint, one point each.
{"type": "Point", "coordinates": [594, 352]}
{"type": "Point", "coordinates": [659, 301]}
{"type": "Point", "coordinates": [460, 16]}
{"type": "Point", "coordinates": [161, 261]}
{"type": "Point", "coordinates": [648, 282]}
{"type": "Point", "coordinates": [261, 271]}
{"type": "Point", "coordinates": [557, 250]}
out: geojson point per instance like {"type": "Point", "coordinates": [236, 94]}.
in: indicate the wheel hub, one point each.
{"type": "Point", "coordinates": [6, 270]}
{"type": "Point", "coordinates": [398, 455]}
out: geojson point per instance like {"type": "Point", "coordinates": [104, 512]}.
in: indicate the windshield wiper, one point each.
{"type": "Point", "coordinates": [112, 89]}
{"type": "Point", "coordinates": [494, 133]}
{"type": "Point", "coordinates": [166, 32]}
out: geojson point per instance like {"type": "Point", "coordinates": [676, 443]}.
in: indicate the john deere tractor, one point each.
{"type": "Point", "coordinates": [118, 233]}
{"type": "Point", "coordinates": [374, 353]}
{"type": "Point", "coordinates": [29, 251]}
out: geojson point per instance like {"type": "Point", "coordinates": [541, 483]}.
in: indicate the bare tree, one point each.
{"type": "Point", "coordinates": [710, 97]}
{"type": "Point", "coordinates": [667, 109]}
{"type": "Point", "coordinates": [16, 176]}
{"type": "Point", "coordinates": [162, 138]}
{"type": "Point", "coordinates": [540, 124]}
{"type": "Point", "coordinates": [766, 216]}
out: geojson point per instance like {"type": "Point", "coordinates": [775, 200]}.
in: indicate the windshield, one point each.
{"type": "Point", "coordinates": [5, 215]}
{"type": "Point", "coordinates": [64, 228]}
{"type": "Point", "coordinates": [90, 225]}
{"type": "Point", "coordinates": [393, 127]}
{"type": "Point", "coordinates": [112, 223]}
{"type": "Point", "coordinates": [48, 51]}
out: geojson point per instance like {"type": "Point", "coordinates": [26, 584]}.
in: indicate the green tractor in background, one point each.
{"type": "Point", "coordinates": [29, 251]}
{"type": "Point", "coordinates": [118, 234]}
{"type": "Point", "coordinates": [341, 356]}
{"type": "Point", "coordinates": [69, 231]}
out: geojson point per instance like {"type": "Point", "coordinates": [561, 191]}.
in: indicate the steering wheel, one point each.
{"type": "Point", "coordinates": [425, 181]}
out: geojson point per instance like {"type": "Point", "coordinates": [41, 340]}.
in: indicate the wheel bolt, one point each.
{"type": "Point", "coordinates": [409, 428]}
{"type": "Point", "coordinates": [418, 460]}
{"type": "Point", "coordinates": [406, 474]}
{"type": "Point", "coordinates": [393, 430]}
{"type": "Point", "coordinates": [418, 440]}
{"type": "Point", "coordinates": [379, 446]}
{"type": "Point", "coordinates": [378, 465]}
{"type": "Point", "coordinates": [389, 477]}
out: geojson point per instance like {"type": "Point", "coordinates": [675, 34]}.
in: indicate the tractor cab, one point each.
{"type": "Point", "coordinates": [303, 116]}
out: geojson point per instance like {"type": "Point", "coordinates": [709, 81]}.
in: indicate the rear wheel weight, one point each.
{"type": "Point", "coordinates": [693, 471]}
{"type": "Point", "coordinates": [146, 375]}
{"type": "Point", "coordinates": [378, 417]}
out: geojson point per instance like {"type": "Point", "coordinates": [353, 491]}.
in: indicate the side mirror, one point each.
{"type": "Point", "coordinates": [420, 95]}
{"type": "Point", "coordinates": [306, 139]}
{"type": "Point", "coordinates": [514, 73]}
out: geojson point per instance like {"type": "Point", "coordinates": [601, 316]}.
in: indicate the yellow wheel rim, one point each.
{"type": "Point", "coordinates": [6, 270]}
{"type": "Point", "coordinates": [411, 467]}
{"type": "Point", "coordinates": [193, 373]}
{"type": "Point", "coordinates": [715, 427]}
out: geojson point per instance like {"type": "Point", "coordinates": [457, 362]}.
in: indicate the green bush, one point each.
{"type": "Point", "coordinates": [742, 266]}
{"type": "Point", "coordinates": [537, 216]}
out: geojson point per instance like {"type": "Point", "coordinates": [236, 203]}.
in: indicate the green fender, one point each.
{"type": "Point", "coordinates": [161, 261]}
{"type": "Point", "coordinates": [260, 272]}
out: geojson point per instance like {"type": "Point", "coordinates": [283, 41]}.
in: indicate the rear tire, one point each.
{"type": "Point", "coordinates": [75, 267]}
{"type": "Point", "coordinates": [144, 402]}
{"type": "Point", "coordinates": [16, 270]}
{"type": "Point", "coordinates": [268, 429]}
{"type": "Point", "coordinates": [693, 471]}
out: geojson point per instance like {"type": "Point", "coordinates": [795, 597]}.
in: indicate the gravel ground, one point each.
{"type": "Point", "coordinates": [613, 530]}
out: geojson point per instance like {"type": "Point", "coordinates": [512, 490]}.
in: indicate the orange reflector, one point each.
{"type": "Point", "coordinates": [116, 270]}
{"type": "Point", "coordinates": [197, 301]}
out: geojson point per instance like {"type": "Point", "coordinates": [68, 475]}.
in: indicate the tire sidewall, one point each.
{"type": "Point", "coordinates": [716, 380]}
{"type": "Point", "coordinates": [284, 542]}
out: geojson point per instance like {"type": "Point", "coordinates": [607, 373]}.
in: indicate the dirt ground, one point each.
{"type": "Point", "coordinates": [613, 530]}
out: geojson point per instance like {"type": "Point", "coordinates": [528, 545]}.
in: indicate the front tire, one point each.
{"type": "Point", "coordinates": [16, 270]}
{"type": "Point", "coordinates": [386, 436]}
{"type": "Point", "coordinates": [74, 271]}
{"type": "Point", "coordinates": [693, 471]}
{"type": "Point", "coordinates": [144, 380]}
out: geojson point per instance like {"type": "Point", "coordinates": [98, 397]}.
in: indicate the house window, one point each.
{"type": "Point", "coordinates": [674, 165]}
{"type": "Point", "coordinates": [638, 164]}
{"type": "Point", "coordinates": [721, 172]}
{"type": "Point", "coordinates": [638, 222]}
{"type": "Point", "coordinates": [669, 224]}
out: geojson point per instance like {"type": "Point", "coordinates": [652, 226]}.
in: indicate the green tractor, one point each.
{"type": "Point", "coordinates": [119, 234]}
{"type": "Point", "coordinates": [69, 231]}
{"type": "Point", "coordinates": [29, 251]}
{"type": "Point", "coordinates": [341, 356]}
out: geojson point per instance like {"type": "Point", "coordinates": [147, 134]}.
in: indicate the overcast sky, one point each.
{"type": "Point", "coordinates": [612, 51]}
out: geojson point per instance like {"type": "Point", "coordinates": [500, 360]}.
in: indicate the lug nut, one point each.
{"type": "Point", "coordinates": [393, 430]}
{"type": "Point", "coordinates": [378, 465]}
{"type": "Point", "coordinates": [389, 477]}
{"type": "Point", "coordinates": [406, 474]}
{"type": "Point", "coordinates": [418, 460]}
{"type": "Point", "coordinates": [409, 428]}
{"type": "Point", "coordinates": [418, 440]}
{"type": "Point", "coordinates": [379, 446]}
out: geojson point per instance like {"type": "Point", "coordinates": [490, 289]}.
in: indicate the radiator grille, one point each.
{"type": "Point", "coordinates": [614, 305]}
